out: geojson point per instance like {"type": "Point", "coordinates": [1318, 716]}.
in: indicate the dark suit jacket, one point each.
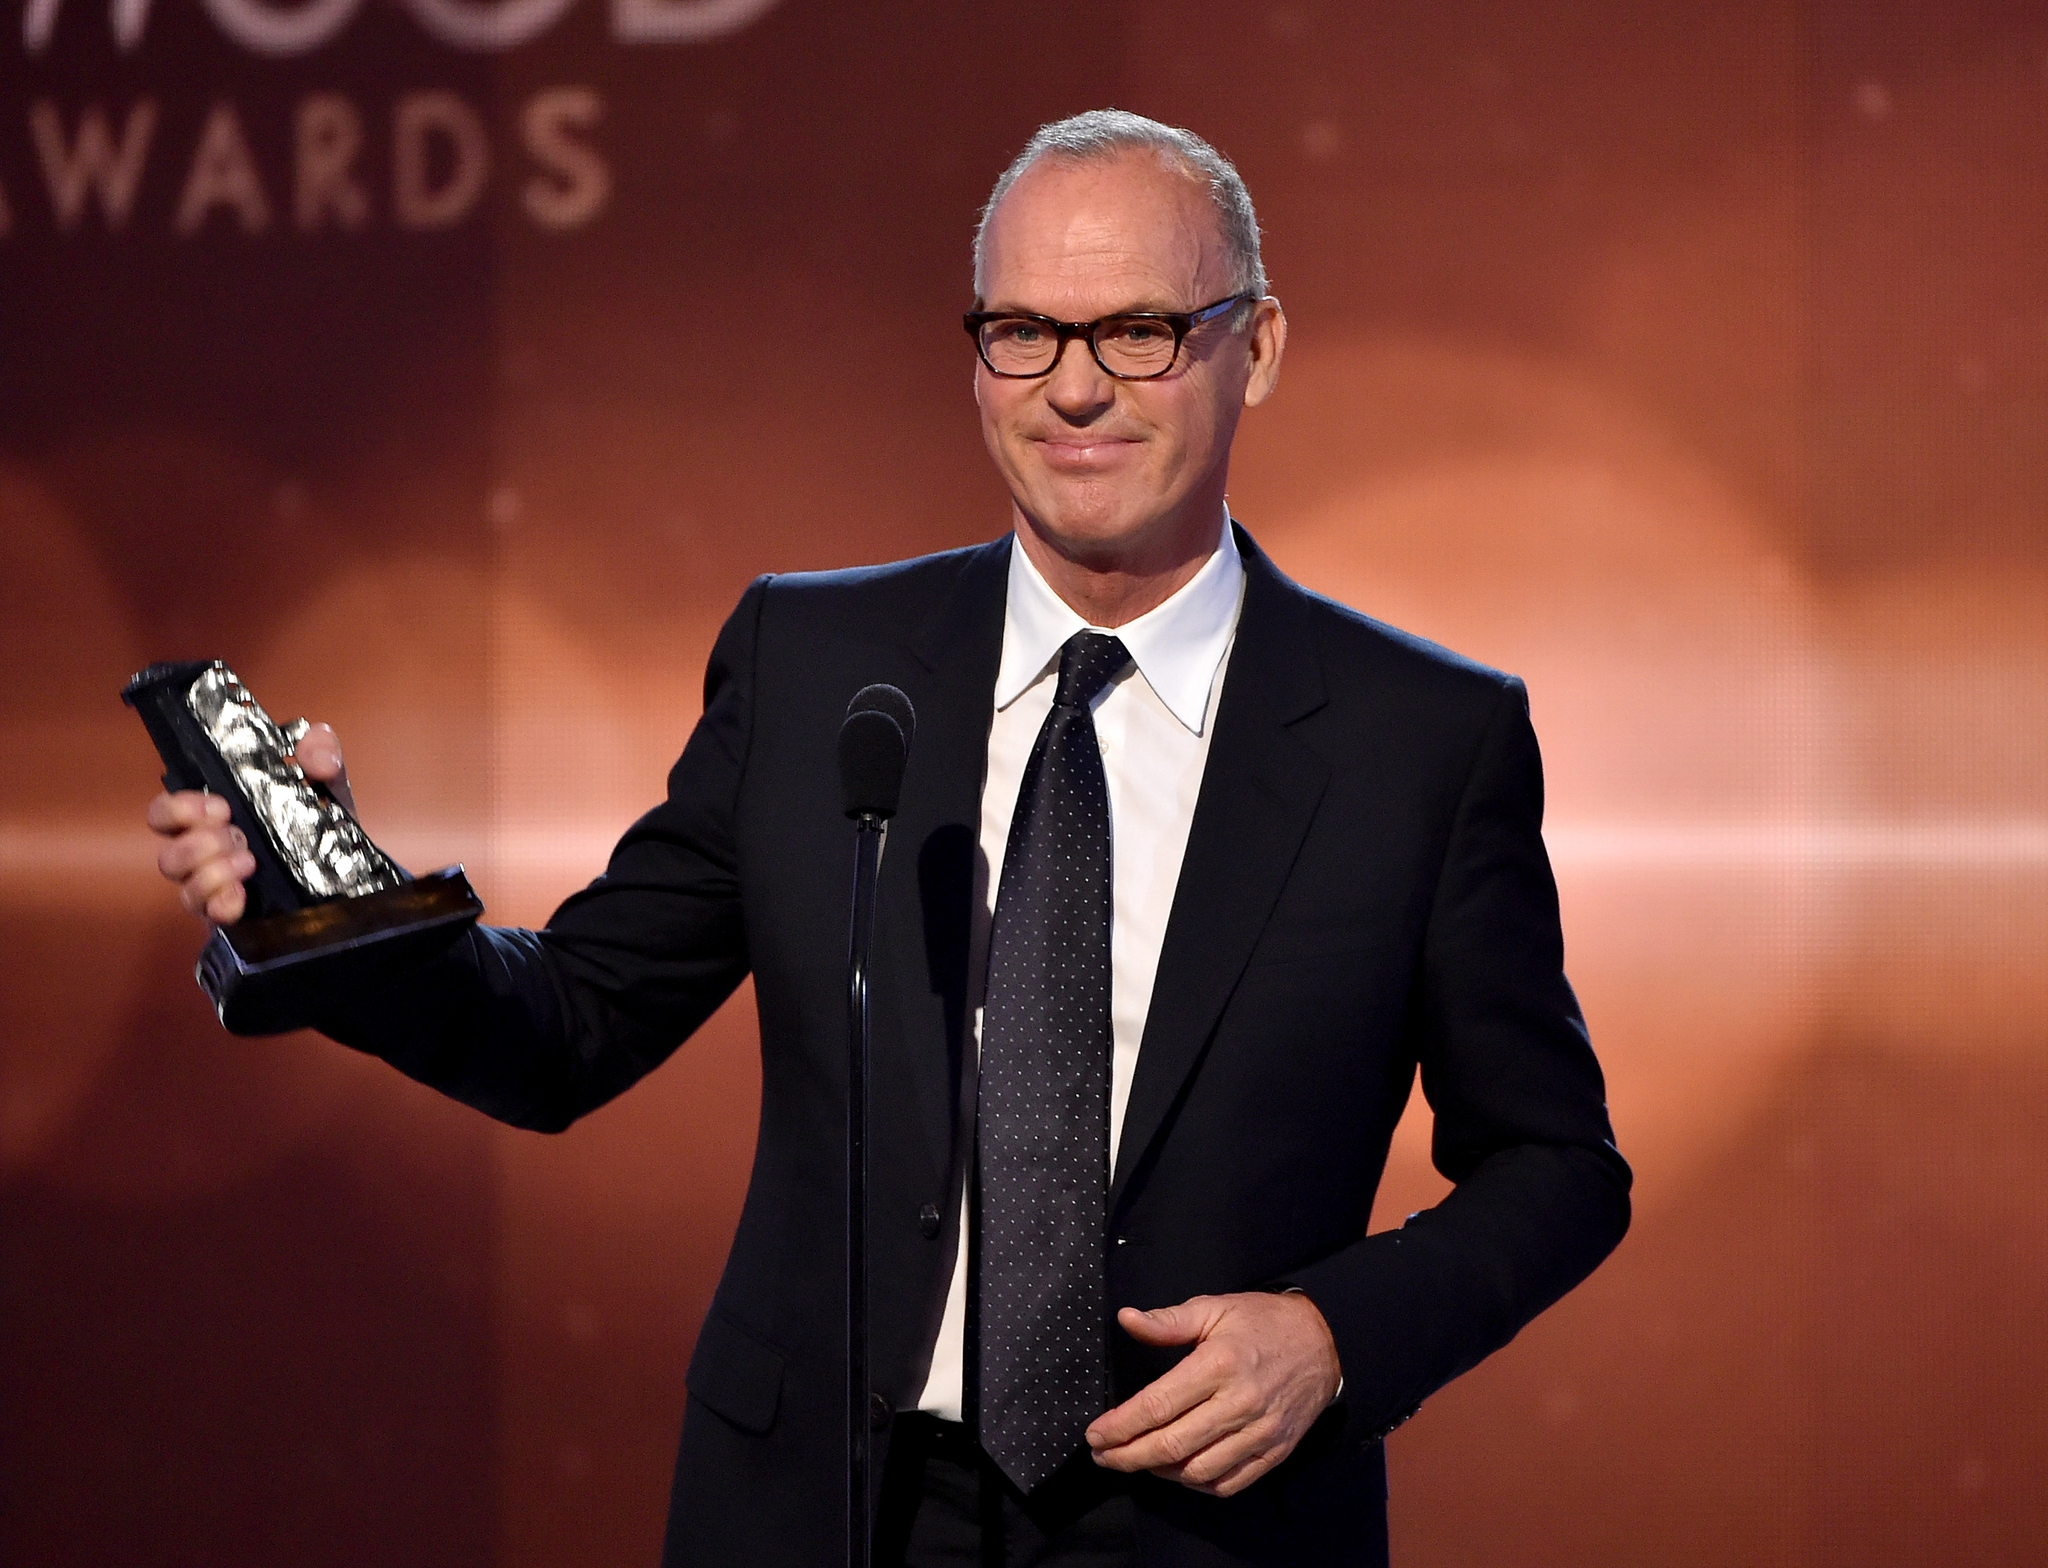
{"type": "Point", "coordinates": [1365, 890]}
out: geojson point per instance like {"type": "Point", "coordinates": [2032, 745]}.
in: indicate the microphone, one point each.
{"type": "Point", "coordinates": [874, 746]}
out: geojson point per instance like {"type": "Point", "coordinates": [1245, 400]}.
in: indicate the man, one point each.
{"type": "Point", "coordinates": [1192, 870]}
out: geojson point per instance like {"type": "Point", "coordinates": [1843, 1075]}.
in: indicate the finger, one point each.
{"type": "Point", "coordinates": [1156, 1404]}
{"type": "Point", "coordinates": [198, 890]}
{"type": "Point", "coordinates": [228, 905]}
{"type": "Point", "coordinates": [1179, 1325]}
{"type": "Point", "coordinates": [1230, 1452]}
{"type": "Point", "coordinates": [163, 814]}
{"type": "Point", "coordinates": [1176, 1442]}
{"type": "Point", "coordinates": [319, 753]}
{"type": "Point", "coordinates": [188, 808]}
{"type": "Point", "coordinates": [194, 847]}
{"type": "Point", "coordinates": [1241, 1476]}
{"type": "Point", "coordinates": [1195, 1378]}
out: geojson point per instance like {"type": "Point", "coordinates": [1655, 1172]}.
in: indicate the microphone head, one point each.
{"type": "Point", "coordinates": [886, 699]}
{"type": "Point", "coordinates": [874, 746]}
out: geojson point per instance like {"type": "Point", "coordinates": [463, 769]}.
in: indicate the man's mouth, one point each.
{"type": "Point", "coordinates": [1083, 454]}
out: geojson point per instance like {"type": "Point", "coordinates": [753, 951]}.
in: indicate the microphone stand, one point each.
{"type": "Point", "coordinates": [874, 748]}
{"type": "Point", "coordinates": [867, 859]}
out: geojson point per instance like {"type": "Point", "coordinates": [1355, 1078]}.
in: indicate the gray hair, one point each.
{"type": "Point", "coordinates": [1102, 134]}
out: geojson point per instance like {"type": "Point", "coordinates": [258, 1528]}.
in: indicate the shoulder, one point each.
{"type": "Point", "coordinates": [1363, 659]}
{"type": "Point", "coordinates": [1377, 690]}
{"type": "Point", "coordinates": [1353, 644]}
{"type": "Point", "coordinates": [871, 596]}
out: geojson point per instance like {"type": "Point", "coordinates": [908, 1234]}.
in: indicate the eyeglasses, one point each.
{"type": "Point", "coordinates": [1137, 345]}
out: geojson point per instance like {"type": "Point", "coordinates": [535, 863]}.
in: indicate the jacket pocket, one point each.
{"type": "Point", "coordinates": [736, 1375]}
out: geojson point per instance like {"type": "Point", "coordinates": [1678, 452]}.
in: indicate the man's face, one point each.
{"type": "Point", "coordinates": [1111, 473]}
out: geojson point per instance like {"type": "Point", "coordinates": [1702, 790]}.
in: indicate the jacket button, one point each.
{"type": "Point", "coordinates": [879, 1412]}
{"type": "Point", "coordinates": [928, 1220]}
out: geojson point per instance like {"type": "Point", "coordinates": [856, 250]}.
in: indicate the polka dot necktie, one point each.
{"type": "Point", "coordinates": [1042, 1126]}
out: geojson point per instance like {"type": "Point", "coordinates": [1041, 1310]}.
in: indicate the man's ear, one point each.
{"type": "Point", "coordinates": [1268, 340]}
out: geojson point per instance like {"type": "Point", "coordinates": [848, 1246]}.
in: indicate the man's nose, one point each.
{"type": "Point", "coordinates": [1077, 386]}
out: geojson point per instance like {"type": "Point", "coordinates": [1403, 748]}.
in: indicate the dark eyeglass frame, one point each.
{"type": "Point", "coordinates": [1179, 322]}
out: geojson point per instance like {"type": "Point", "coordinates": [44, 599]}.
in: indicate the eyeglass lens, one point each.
{"type": "Point", "coordinates": [1126, 345]}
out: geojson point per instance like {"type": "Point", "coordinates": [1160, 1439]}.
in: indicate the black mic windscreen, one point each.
{"type": "Point", "coordinates": [874, 745]}
{"type": "Point", "coordinates": [886, 699]}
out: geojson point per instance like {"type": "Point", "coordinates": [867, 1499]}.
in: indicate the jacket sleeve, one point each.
{"type": "Point", "coordinates": [536, 1028]}
{"type": "Point", "coordinates": [1521, 1127]}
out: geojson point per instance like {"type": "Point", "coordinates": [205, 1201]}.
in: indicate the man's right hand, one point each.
{"type": "Point", "coordinates": [207, 858]}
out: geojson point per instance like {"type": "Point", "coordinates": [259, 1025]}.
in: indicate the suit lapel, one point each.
{"type": "Point", "coordinates": [1259, 792]}
{"type": "Point", "coordinates": [929, 864]}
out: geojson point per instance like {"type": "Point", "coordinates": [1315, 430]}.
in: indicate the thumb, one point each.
{"type": "Point", "coordinates": [319, 753]}
{"type": "Point", "coordinates": [1178, 1325]}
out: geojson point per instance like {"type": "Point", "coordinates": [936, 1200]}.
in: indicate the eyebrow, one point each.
{"type": "Point", "coordinates": [1121, 310]}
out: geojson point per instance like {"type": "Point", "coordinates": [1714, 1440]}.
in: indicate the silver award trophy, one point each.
{"type": "Point", "coordinates": [329, 912]}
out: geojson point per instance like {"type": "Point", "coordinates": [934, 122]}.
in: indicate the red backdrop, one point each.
{"type": "Point", "coordinates": [448, 367]}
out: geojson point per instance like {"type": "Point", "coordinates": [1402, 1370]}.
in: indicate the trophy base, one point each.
{"type": "Point", "coordinates": [280, 972]}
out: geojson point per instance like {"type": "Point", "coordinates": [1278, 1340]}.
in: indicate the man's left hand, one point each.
{"type": "Point", "coordinates": [1263, 1368]}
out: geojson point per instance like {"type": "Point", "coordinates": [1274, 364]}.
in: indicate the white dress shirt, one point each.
{"type": "Point", "coordinates": [1154, 723]}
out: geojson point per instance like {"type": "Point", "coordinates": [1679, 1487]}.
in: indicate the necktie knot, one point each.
{"type": "Point", "coordinates": [1088, 662]}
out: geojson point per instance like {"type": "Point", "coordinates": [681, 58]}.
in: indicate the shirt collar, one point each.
{"type": "Point", "coordinates": [1176, 645]}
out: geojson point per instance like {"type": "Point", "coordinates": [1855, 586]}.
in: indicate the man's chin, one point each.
{"type": "Point", "coordinates": [1103, 539]}
{"type": "Point", "coordinates": [1089, 525]}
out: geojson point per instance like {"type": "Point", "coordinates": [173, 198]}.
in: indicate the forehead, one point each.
{"type": "Point", "coordinates": [1080, 239]}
